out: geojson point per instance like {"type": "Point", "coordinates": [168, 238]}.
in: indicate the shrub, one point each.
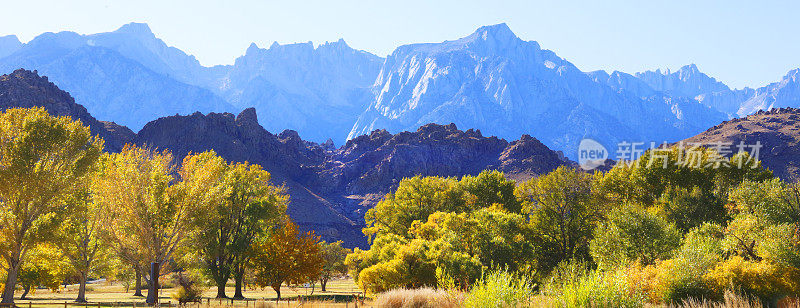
{"type": "Point", "coordinates": [675, 280]}
{"type": "Point", "coordinates": [574, 285]}
{"type": "Point", "coordinates": [500, 288]}
{"type": "Point", "coordinates": [423, 297]}
{"type": "Point", "coordinates": [188, 291]}
{"type": "Point", "coordinates": [762, 279]}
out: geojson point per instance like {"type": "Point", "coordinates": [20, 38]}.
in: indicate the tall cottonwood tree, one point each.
{"type": "Point", "coordinates": [562, 213]}
{"type": "Point", "coordinates": [78, 237]}
{"type": "Point", "coordinates": [237, 202]}
{"type": "Point", "coordinates": [146, 211]}
{"type": "Point", "coordinates": [41, 160]}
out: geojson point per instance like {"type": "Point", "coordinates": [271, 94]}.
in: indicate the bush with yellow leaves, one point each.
{"type": "Point", "coordinates": [763, 279]}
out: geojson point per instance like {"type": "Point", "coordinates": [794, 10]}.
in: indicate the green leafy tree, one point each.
{"type": "Point", "coordinates": [436, 225]}
{"type": "Point", "coordinates": [333, 255]}
{"type": "Point", "coordinates": [41, 160]}
{"type": "Point", "coordinates": [237, 202]}
{"type": "Point", "coordinates": [632, 234]}
{"type": "Point", "coordinates": [43, 267]}
{"type": "Point", "coordinates": [562, 214]}
{"type": "Point", "coordinates": [690, 208]}
{"type": "Point", "coordinates": [490, 188]}
{"type": "Point", "coordinates": [414, 199]}
{"type": "Point", "coordinates": [394, 262]}
{"type": "Point", "coordinates": [647, 179]}
{"type": "Point", "coordinates": [495, 238]}
{"type": "Point", "coordinates": [766, 222]}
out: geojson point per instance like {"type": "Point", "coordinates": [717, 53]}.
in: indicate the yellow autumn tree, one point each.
{"type": "Point", "coordinates": [146, 213]}
{"type": "Point", "coordinates": [41, 159]}
{"type": "Point", "coordinates": [78, 238]}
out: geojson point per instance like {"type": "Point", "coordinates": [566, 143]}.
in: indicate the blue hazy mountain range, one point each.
{"type": "Point", "coordinates": [489, 80]}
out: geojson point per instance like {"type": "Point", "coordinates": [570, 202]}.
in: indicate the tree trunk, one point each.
{"type": "Point", "coordinates": [25, 291]}
{"type": "Point", "coordinates": [11, 283]}
{"type": "Point", "coordinates": [82, 289]}
{"type": "Point", "coordinates": [277, 289]}
{"type": "Point", "coordinates": [238, 277]}
{"type": "Point", "coordinates": [138, 286]}
{"type": "Point", "coordinates": [323, 282]}
{"type": "Point", "coordinates": [221, 289]}
{"type": "Point", "coordinates": [152, 292]}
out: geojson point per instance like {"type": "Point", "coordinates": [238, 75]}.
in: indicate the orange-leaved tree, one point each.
{"type": "Point", "coordinates": [286, 256]}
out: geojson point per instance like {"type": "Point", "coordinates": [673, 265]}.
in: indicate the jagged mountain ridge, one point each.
{"type": "Point", "coordinates": [490, 80]}
{"type": "Point", "coordinates": [506, 86]}
{"type": "Point", "coordinates": [315, 91]}
{"type": "Point", "coordinates": [330, 188]}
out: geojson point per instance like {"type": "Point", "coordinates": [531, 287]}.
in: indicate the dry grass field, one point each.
{"type": "Point", "coordinates": [340, 293]}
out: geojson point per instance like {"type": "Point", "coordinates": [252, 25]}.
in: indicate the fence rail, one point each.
{"type": "Point", "coordinates": [355, 298]}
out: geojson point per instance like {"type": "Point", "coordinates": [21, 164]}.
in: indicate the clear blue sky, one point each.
{"type": "Point", "coordinates": [742, 43]}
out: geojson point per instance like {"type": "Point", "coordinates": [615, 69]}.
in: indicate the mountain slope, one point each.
{"type": "Point", "coordinates": [507, 87]}
{"type": "Point", "coordinates": [110, 85]}
{"type": "Point", "coordinates": [369, 166]}
{"type": "Point", "coordinates": [25, 89]}
{"type": "Point", "coordinates": [8, 45]}
{"type": "Point", "coordinates": [778, 132]}
{"type": "Point", "coordinates": [784, 93]}
{"type": "Point", "coordinates": [137, 42]}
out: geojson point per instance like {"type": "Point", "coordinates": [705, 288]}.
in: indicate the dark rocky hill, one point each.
{"type": "Point", "coordinates": [369, 166]}
{"type": "Point", "coordinates": [27, 89]}
{"type": "Point", "coordinates": [330, 188]}
{"type": "Point", "coordinates": [778, 131]}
